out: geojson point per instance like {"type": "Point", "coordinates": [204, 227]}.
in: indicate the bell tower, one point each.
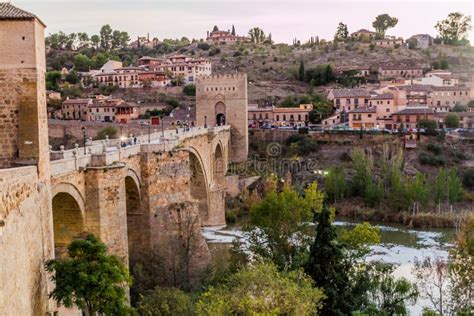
{"type": "Point", "coordinates": [23, 114]}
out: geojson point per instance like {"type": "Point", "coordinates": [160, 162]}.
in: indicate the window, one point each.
{"type": "Point", "coordinates": [370, 115]}
{"type": "Point", "coordinates": [254, 116]}
{"type": "Point", "coordinates": [278, 117]}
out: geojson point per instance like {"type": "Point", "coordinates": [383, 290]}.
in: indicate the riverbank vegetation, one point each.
{"type": "Point", "coordinates": [292, 260]}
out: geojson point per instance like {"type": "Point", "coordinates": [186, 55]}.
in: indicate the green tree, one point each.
{"type": "Point", "coordinates": [329, 268]}
{"type": "Point", "coordinates": [461, 270]}
{"type": "Point", "coordinates": [382, 23]}
{"type": "Point", "coordinates": [278, 227]}
{"type": "Point", "coordinates": [106, 131]}
{"type": "Point", "coordinates": [90, 279]}
{"type": "Point", "coordinates": [257, 35]}
{"type": "Point", "coordinates": [52, 80]}
{"type": "Point", "coordinates": [233, 30]}
{"type": "Point", "coordinates": [190, 90]}
{"type": "Point", "coordinates": [105, 37]}
{"type": "Point", "coordinates": [335, 184]}
{"type": "Point", "coordinates": [301, 71]}
{"type": "Point", "coordinates": [83, 39]}
{"type": "Point", "coordinates": [215, 28]}
{"type": "Point", "coordinates": [72, 77]}
{"type": "Point", "coordinates": [82, 62]}
{"type": "Point", "coordinates": [389, 296]}
{"type": "Point", "coordinates": [451, 120]}
{"type": "Point", "coordinates": [418, 192]}
{"type": "Point", "coordinates": [468, 178]}
{"type": "Point", "coordinates": [455, 28]}
{"type": "Point", "coordinates": [360, 238]}
{"type": "Point", "coordinates": [429, 125]}
{"type": "Point", "coordinates": [460, 108]}
{"type": "Point", "coordinates": [341, 33]}
{"type": "Point", "coordinates": [166, 302]}
{"type": "Point", "coordinates": [454, 187]}
{"type": "Point", "coordinates": [262, 290]}
{"type": "Point", "coordinates": [95, 40]}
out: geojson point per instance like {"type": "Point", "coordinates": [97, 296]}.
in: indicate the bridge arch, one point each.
{"type": "Point", "coordinates": [68, 216]}
{"type": "Point", "coordinates": [199, 185]}
{"type": "Point", "coordinates": [136, 218]}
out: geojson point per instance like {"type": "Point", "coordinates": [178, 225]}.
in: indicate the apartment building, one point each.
{"type": "Point", "coordinates": [176, 66]}
{"type": "Point", "coordinates": [400, 71]}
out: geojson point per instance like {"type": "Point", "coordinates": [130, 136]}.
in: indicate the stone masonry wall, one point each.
{"type": "Point", "coordinates": [225, 93]}
{"type": "Point", "coordinates": [25, 242]}
{"type": "Point", "coordinates": [174, 215]}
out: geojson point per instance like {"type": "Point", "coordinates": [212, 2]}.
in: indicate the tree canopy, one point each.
{"type": "Point", "coordinates": [262, 290]}
{"type": "Point", "coordinates": [90, 279]}
{"type": "Point", "coordinates": [383, 22]}
{"type": "Point", "coordinates": [455, 28]}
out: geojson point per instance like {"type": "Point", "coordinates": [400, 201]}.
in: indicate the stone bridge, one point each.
{"type": "Point", "coordinates": [124, 194]}
{"type": "Point", "coordinates": [140, 199]}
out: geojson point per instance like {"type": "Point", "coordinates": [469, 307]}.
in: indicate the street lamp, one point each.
{"type": "Point", "coordinates": [205, 121]}
{"type": "Point", "coordinates": [84, 136]}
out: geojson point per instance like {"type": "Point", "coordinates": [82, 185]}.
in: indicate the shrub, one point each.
{"type": "Point", "coordinates": [106, 131]}
{"type": "Point", "coordinates": [166, 301]}
{"type": "Point", "coordinates": [451, 120]}
{"type": "Point", "coordinates": [204, 46]}
{"type": "Point", "coordinates": [468, 178]}
{"type": "Point", "coordinates": [173, 102]}
{"type": "Point", "coordinates": [303, 130]}
{"type": "Point", "coordinates": [190, 90]}
{"type": "Point", "coordinates": [434, 148]}
{"type": "Point", "coordinates": [432, 160]}
{"type": "Point", "coordinates": [214, 51]}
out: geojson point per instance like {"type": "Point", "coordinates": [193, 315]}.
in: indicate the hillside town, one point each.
{"type": "Point", "coordinates": [236, 173]}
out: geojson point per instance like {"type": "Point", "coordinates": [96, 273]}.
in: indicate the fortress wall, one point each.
{"type": "Point", "coordinates": [25, 242]}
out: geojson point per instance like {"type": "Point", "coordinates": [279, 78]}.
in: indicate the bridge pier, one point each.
{"type": "Point", "coordinates": [106, 211]}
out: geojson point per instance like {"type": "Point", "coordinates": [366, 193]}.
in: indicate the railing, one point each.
{"type": "Point", "coordinates": [109, 151]}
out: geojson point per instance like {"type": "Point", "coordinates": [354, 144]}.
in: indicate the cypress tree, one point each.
{"type": "Point", "coordinates": [328, 266]}
{"type": "Point", "coordinates": [301, 72]}
{"type": "Point", "coordinates": [233, 30]}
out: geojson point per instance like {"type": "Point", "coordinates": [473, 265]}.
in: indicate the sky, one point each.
{"type": "Point", "coordinates": [285, 19]}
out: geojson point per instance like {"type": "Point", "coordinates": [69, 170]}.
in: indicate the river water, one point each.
{"type": "Point", "coordinates": [399, 245]}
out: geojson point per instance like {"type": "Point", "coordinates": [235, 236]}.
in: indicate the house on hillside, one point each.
{"type": "Point", "coordinates": [345, 100]}
{"type": "Point", "coordinates": [423, 41]}
{"type": "Point", "coordinates": [389, 43]}
{"type": "Point", "coordinates": [218, 36]}
{"type": "Point", "coordinates": [400, 71]}
{"type": "Point", "coordinates": [362, 34]}
{"type": "Point", "coordinates": [410, 116]}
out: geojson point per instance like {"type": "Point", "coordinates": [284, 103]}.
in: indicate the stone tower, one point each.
{"type": "Point", "coordinates": [23, 115]}
{"type": "Point", "coordinates": [221, 100]}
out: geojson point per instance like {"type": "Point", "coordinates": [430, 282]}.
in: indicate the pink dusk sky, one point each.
{"type": "Point", "coordinates": [284, 19]}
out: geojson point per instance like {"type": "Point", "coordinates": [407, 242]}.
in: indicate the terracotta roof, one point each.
{"type": "Point", "coordinates": [383, 96]}
{"type": "Point", "coordinates": [364, 109]}
{"type": "Point", "coordinates": [364, 31]}
{"type": "Point", "coordinates": [341, 93]}
{"type": "Point", "coordinates": [10, 12]}
{"type": "Point", "coordinates": [417, 87]}
{"type": "Point", "coordinates": [76, 101]}
{"type": "Point", "coordinates": [400, 67]}
{"type": "Point", "coordinates": [415, 111]}
{"type": "Point", "coordinates": [451, 88]}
